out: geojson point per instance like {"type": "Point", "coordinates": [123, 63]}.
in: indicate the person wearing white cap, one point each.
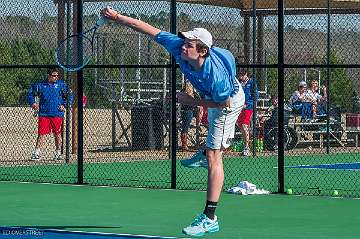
{"type": "Point", "coordinates": [298, 102]}
{"type": "Point", "coordinates": [298, 96]}
{"type": "Point", "coordinates": [212, 72]}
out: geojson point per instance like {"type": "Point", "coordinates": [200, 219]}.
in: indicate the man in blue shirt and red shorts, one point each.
{"type": "Point", "coordinates": [212, 72]}
{"type": "Point", "coordinates": [244, 120]}
{"type": "Point", "coordinates": [49, 98]}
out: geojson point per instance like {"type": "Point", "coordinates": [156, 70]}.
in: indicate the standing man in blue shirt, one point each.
{"type": "Point", "coordinates": [212, 72]}
{"type": "Point", "coordinates": [244, 119]}
{"type": "Point", "coordinates": [49, 98]}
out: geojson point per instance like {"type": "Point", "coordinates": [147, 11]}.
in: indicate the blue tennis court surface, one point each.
{"type": "Point", "coordinates": [336, 166]}
{"type": "Point", "coordinates": [33, 233]}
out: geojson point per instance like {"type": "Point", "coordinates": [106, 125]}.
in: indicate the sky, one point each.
{"type": "Point", "coordinates": [37, 8]}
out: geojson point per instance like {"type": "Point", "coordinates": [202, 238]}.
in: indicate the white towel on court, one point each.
{"type": "Point", "coordinates": [246, 188]}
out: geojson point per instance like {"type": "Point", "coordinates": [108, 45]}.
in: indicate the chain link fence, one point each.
{"type": "Point", "coordinates": [127, 123]}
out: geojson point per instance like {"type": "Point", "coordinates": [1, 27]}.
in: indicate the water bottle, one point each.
{"type": "Point", "coordinates": [240, 145]}
{"type": "Point", "coordinates": [261, 144]}
{"type": "Point", "coordinates": [237, 146]}
{"type": "Point", "coordinates": [233, 148]}
{"type": "Point", "coordinates": [257, 145]}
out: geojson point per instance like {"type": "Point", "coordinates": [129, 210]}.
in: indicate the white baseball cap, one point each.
{"type": "Point", "coordinates": [302, 83]}
{"type": "Point", "coordinates": [200, 34]}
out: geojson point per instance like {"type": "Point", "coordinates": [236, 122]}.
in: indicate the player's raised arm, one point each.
{"type": "Point", "coordinates": [133, 23]}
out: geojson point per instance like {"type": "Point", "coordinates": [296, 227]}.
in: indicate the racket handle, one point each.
{"type": "Point", "coordinates": [101, 21]}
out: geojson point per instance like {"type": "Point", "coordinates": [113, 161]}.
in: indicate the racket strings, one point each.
{"type": "Point", "coordinates": [74, 52]}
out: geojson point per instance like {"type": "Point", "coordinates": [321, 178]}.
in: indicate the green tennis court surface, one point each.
{"type": "Point", "coordinates": [164, 212]}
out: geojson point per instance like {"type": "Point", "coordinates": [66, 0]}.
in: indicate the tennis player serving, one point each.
{"type": "Point", "coordinates": [211, 70]}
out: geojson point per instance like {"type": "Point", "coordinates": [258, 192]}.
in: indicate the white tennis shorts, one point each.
{"type": "Point", "coordinates": [222, 122]}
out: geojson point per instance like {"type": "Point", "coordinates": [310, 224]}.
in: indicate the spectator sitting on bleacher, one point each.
{"type": "Point", "coordinates": [269, 112]}
{"type": "Point", "coordinates": [299, 104]}
{"type": "Point", "coordinates": [318, 101]}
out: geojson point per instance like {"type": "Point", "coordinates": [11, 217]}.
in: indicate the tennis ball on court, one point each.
{"type": "Point", "coordinates": [289, 191]}
{"type": "Point", "coordinates": [334, 193]}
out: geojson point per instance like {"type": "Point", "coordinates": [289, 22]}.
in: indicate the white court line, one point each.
{"type": "Point", "coordinates": [90, 233]}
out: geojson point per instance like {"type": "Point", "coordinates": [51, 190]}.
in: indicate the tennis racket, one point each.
{"type": "Point", "coordinates": [36, 95]}
{"type": "Point", "coordinates": [75, 51]}
{"type": "Point", "coordinates": [36, 112]}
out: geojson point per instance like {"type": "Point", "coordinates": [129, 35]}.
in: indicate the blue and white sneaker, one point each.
{"type": "Point", "coordinates": [197, 160]}
{"type": "Point", "coordinates": [202, 225]}
{"type": "Point", "coordinates": [35, 155]}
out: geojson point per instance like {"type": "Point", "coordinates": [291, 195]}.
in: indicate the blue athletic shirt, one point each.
{"type": "Point", "coordinates": [217, 79]}
{"type": "Point", "coordinates": [51, 96]}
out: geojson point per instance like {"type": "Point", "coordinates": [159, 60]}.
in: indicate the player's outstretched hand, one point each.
{"type": "Point", "coordinates": [109, 13]}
